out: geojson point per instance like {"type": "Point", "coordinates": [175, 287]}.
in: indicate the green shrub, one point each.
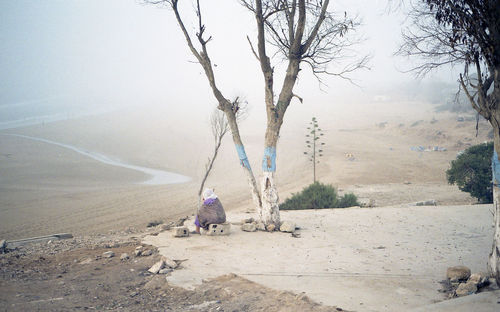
{"type": "Point", "coordinates": [318, 196]}
{"type": "Point", "coordinates": [471, 172]}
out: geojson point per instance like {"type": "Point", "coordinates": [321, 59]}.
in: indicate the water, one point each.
{"type": "Point", "coordinates": [157, 177]}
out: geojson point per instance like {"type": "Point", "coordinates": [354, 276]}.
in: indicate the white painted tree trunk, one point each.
{"type": "Point", "coordinates": [269, 213]}
{"type": "Point", "coordinates": [494, 260]}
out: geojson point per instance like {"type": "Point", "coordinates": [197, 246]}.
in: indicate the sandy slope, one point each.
{"type": "Point", "coordinates": [46, 189]}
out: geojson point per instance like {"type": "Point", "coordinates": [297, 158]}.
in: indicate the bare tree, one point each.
{"type": "Point", "coordinates": [301, 31]}
{"type": "Point", "coordinates": [219, 127]}
{"type": "Point", "coordinates": [466, 33]}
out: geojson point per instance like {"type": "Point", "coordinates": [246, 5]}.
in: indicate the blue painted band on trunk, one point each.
{"type": "Point", "coordinates": [242, 155]}
{"type": "Point", "coordinates": [495, 167]}
{"type": "Point", "coordinates": [269, 161]}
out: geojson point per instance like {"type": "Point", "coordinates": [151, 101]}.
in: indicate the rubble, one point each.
{"type": "Point", "coordinates": [157, 267]}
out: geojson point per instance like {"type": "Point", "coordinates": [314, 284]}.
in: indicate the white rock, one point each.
{"type": "Point", "coordinates": [169, 262]}
{"type": "Point", "coordinates": [157, 267]}
{"type": "Point", "coordinates": [287, 226]}
{"type": "Point", "coordinates": [124, 256]}
{"type": "Point", "coordinates": [147, 252]}
{"type": "Point", "coordinates": [108, 254]}
{"type": "Point", "coordinates": [465, 289]}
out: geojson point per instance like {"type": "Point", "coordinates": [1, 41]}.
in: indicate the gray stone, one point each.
{"type": "Point", "coordinates": [124, 256]}
{"type": "Point", "coordinates": [165, 271]}
{"type": "Point", "coordinates": [180, 231]}
{"type": "Point", "coordinates": [169, 262]}
{"type": "Point", "coordinates": [430, 202]}
{"type": "Point", "coordinates": [248, 227]}
{"type": "Point", "coordinates": [479, 279]}
{"type": "Point", "coordinates": [218, 229]}
{"type": "Point", "coordinates": [287, 226]}
{"type": "Point", "coordinates": [108, 254]}
{"type": "Point", "coordinates": [249, 220]}
{"type": "Point", "coordinates": [465, 289]}
{"type": "Point", "coordinates": [260, 226]}
{"type": "Point", "coordinates": [147, 252]}
{"type": "Point", "coordinates": [458, 273]}
{"type": "Point", "coordinates": [157, 267]}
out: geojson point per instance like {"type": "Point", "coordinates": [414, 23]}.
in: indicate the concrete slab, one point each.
{"type": "Point", "coordinates": [362, 259]}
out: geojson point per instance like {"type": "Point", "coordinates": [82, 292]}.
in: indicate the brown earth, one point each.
{"type": "Point", "coordinates": [73, 275]}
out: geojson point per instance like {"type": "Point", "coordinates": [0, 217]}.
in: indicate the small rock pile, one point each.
{"type": "Point", "coordinates": [164, 266]}
{"type": "Point", "coordinates": [461, 282]}
{"type": "Point", "coordinates": [251, 225]}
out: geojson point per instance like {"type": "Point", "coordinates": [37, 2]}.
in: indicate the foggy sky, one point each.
{"type": "Point", "coordinates": [122, 53]}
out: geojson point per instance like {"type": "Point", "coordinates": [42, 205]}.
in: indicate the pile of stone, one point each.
{"type": "Point", "coordinates": [251, 225]}
{"type": "Point", "coordinates": [463, 283]}
{"type": "Point", "coordinates": [164, 266]}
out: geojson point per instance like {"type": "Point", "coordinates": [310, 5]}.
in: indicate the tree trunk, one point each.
{"type": "Point", "coordinates": [245, 164]}
{"type": "Point", "coordinates": [494, 260]}
{"type": "Point", "coordinates": [270, 213]}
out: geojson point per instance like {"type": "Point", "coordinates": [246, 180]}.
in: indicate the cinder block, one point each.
{"type": "Point", "coordinates": [219, 229]}
{"type": "Point", "coordinates": [180, 231]}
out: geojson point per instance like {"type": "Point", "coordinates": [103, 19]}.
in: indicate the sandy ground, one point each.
{"type": "Point", "coordinates": [46, 189]}
{"type": "Point", "coordinates": [380, 259]}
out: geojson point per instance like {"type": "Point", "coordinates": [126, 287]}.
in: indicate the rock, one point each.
{"type": "Point", "coordinates": [165, 271]}
{"type": "Point", "coordinates": [430, 202]}
{"type": "Point", "coordinates": [86, 261]}
{"type": "Point", "coordinates": [260, 226]}
{"type": "Point", "coordinates": [157, 267]}
{"type": "Point", "coordinates": [108, 254]}
{"type": "Point", "coordinates": [458, 273]}
{"type": "Point", "coordinates": [465, 289]}
{"type": "Point", "coordinates": [478, 279]}
{"type": "Point", "coordinates": [180, 231]}
{"type": "Point", "coordinates": [169, 262]}
{"type": "Point", "coordinates": [218, 229]}
{"type": "Point", "coordinates": [147, 252]}
{"type": "Point", "coordinates": [287, 226]}
{"type": "Point", "coordinates": [271, 227]}
{"type": "Point", "coordinates": [248, 227]}
{"type": "Point", "coordinates": [124, 256]}
{"type": "Point", "coordinates": [3, 246]}
{"type": "Point", "coordinates": [249, 220]}
{"type": "Point", "coordinates": [180, 222]}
